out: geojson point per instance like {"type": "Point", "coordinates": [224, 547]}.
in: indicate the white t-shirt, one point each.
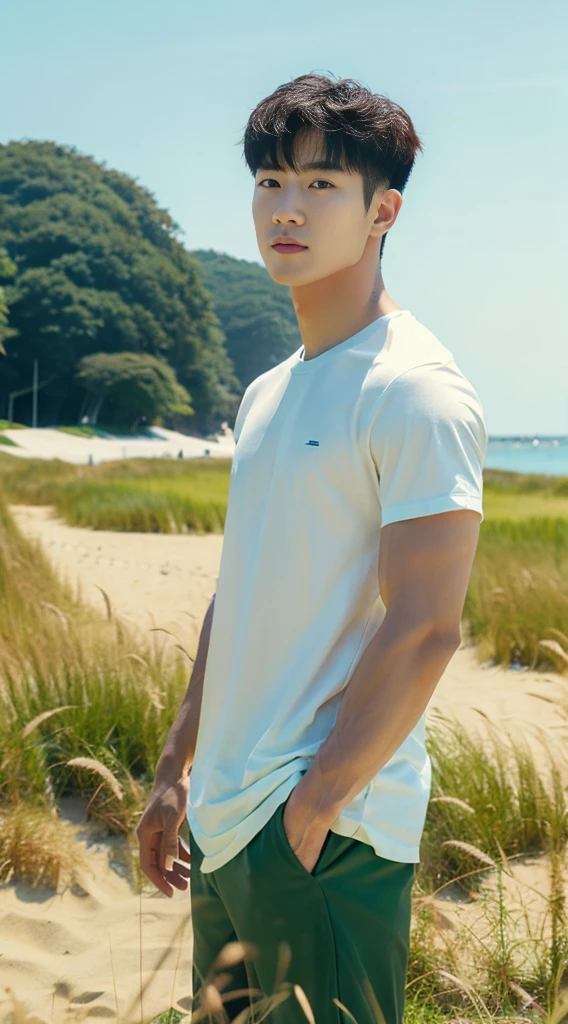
{"type": "Point", "coordinates": [382, 427]}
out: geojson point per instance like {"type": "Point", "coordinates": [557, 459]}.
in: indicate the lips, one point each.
{"type": "Point", "coordinates": [288, 247]}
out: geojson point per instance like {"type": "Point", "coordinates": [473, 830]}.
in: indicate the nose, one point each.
{"type": "Point", "coordinates": [288, 210]}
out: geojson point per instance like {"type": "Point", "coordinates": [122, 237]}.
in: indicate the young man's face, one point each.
{"type": "Point", "coordinates": [323, 210]}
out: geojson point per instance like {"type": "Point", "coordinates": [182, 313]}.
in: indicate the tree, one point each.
{"type": "Point", "coordinates": [100, 268]}
{"type": "Point", "coordinates": [7, 271]}
{"type": "Point", "coordinates": [256, 314]}
{"type": "Point", "coordinates": [133, 384]}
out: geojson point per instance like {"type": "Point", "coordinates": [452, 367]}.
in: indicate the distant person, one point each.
{"type": "Point", "coordinates": [139, 425]}
{"type": "Point", "coordinates": [353, 519]}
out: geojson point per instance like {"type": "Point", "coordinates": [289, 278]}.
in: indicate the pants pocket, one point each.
{"type": "Point", "coordinates": [285, 845]}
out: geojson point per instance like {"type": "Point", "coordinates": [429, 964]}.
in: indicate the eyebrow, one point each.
{"type": "Point", "coordinates": [315, 165]}
{"type": "Point", "coordinates": [320, 165]}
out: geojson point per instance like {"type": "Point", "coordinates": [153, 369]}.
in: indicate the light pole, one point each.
{"type": "Point", "coordinates": [34, 415]}
{"type": "Point", "coordinates": [25, 391]}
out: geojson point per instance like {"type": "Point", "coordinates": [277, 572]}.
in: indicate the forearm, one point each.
{"type": "Point", "coordinates": [179, 749]}
{"type": "Point", "coordinates": [383, 701]}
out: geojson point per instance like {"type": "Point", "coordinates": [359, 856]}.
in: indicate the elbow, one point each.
{"type": "Point", "coordinates": [448, 638]}
{"type": "Point", "coordinates": [422, 631]}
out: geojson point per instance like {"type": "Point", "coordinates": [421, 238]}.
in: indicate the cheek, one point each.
{"type": "Point", "coordinates": [260, 206]}
{"type": "Point", "coordinates": [255, 206]}
{"type": "Point", "coordinates": [341, 233]}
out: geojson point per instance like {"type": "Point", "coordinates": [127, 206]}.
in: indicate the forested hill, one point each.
{"type": "Point", "coordinates": [90, 264]}
{"type": "Point", "coordinates": [256, 314]}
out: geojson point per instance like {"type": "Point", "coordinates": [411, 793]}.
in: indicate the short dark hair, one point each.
{"type": "Point", "coordinates": [363, 131]}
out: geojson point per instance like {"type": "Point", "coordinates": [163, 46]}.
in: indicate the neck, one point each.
{"type": "Point", "coordinates": [336, 307]}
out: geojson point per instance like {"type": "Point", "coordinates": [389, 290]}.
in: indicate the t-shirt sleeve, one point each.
{"type": "Point", "coordinates": [239, 420]}
{"type": "Point", "coordinates": [246, 402]}
{"type": "Point", "coordinates": [250, 393]}
{"type": "Point", "coordinates": [428, 442]}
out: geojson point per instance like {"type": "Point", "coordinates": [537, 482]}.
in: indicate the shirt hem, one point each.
{"type": "Point", "coordinates": [345, 827]}
{"type": "Point", "coordinates": [389, 851]}
{"type": "Point", "coordinates": [431, 506]}
{"type": "Point", "coordinates": [218, 860]}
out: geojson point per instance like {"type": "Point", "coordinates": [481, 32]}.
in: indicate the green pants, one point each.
{"type": "Point", "coordinates": [347, 926]}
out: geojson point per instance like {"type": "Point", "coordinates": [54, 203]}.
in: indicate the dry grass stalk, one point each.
{"type": "Point", "coordinates": [106, 599]}
{"type": "Point", "coordinates": [506, 865]}
{"type": "Point", "coordinates": [473, 850]}
{"type": "Point", "coordinates": [29, 728]}
{"type": "Point", "coordinates": [64, 619]}
{"type": "Point", "coordinates": [304, 1003]}
{"type": "Point", "coordinates": [91, 764]}
{"type": "Point", "coordinates": [453, 800]}
{"type": "Point", "coordinates": [233, 953]}
{"type": "Point", "coordinates": [136, 657]}
{"type": "Point", "coordinates": [555, 649]}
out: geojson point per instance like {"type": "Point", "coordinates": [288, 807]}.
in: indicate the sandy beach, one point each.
{"type": "Point", "coordinates": [65, 940]}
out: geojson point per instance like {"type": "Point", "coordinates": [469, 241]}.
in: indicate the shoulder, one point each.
{"type": "Point", "coordinates": [432, 387]}
{"type": "Point", "coordinates": [258, 386]}
{"type": "Point", "coordinates": [416, 370]}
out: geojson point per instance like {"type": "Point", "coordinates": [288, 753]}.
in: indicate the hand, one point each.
{"type": "Point", "coordinates": [158, 837]}
{"type": "Point", "coordinates": [305, 834]}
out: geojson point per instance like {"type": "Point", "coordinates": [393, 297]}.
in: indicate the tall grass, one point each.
{"type": "Point", "coordinates": [85, 707]}
{"type": "Point", "coordinates": [75, 685]}
{"type": "Point", "coordinates": [493, 796]}
{"type": "Point", "coordinates": [9, 425]}
{"type": "Point", "coordinates": [146, 495]}
{"type": "Point", "coordinates": [517, 599]}
{"type": "Point", "coordinates": [155, 506]}
{"type": "Point", "coordinates": [516, 609]}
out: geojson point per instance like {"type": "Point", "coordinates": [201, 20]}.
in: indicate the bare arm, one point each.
{"type": "Point", "coordinates": [164, 856]}
{"type": "Point", "coordinates": [424, 569]}
{"type": "Point", "coordinates": [179, 749]}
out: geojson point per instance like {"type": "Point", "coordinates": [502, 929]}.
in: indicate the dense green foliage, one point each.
{"type": "Point", "coordinates": [256, 314]}
{"type": "Point", "coordinates": [99, 269]}
{"type": "Point", "coordinates": [7, 270]}
{"type": "Point", "coordinates": [133, 384]}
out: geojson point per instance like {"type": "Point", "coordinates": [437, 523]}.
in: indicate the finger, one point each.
{"type": "Point", "coordinates": [169, 850]}
{"type": "Point", "coordinates": [184, 851]}
{"type": "Point", "coordinates": [178, 876]}
{"type": "Point", "coordinates": [177, 880]}
{"type": "Point", "coordinates": [182, 869]}
{"type": "Point", "coordinates": [182, 866]}
{"type": "Point", "coordinates": [164, 880]}
{"type": "Point", "coordinates": [157, 878]}
{"type": "Point", "coordinates": [149, 863]}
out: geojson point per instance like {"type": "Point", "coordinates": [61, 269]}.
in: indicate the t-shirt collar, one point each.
{"type": "Point", "coordinates": [299, 365]}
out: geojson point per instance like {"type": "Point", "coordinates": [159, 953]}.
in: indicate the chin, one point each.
{"type": "Point", "coordinates": [281, 277]}
{"type": "Point", "coordinates": [290, 276]}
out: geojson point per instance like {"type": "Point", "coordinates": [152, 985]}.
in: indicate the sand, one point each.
{"type": "Point", "coordinates": [166, 581]}
{"type": "Point", "coordinates": [163, 580]}
{"type": "Point", "coordinates": [50, 443]}
{"type": "Point", "coordinates": [66, 952]}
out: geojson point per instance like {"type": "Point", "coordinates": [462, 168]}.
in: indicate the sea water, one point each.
{"type": "Point", "coordinates": [529, 454]}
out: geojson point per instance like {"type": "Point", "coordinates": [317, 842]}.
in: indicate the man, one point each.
{"type": "Point", "coordinates": [353, 518]}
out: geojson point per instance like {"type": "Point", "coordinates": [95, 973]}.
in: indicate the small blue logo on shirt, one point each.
{"type": "Point", "coordinates": [312, 442]}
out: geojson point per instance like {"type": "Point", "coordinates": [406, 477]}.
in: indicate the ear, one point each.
{"type": "Point", "coordinates": [385, 205]}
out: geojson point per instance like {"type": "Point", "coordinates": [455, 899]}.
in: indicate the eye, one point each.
{"type": "Point", "coordinates": [270, 182]}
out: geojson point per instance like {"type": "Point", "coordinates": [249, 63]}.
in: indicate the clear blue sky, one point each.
{"type": "Point", "coordinates": [162, 91]}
